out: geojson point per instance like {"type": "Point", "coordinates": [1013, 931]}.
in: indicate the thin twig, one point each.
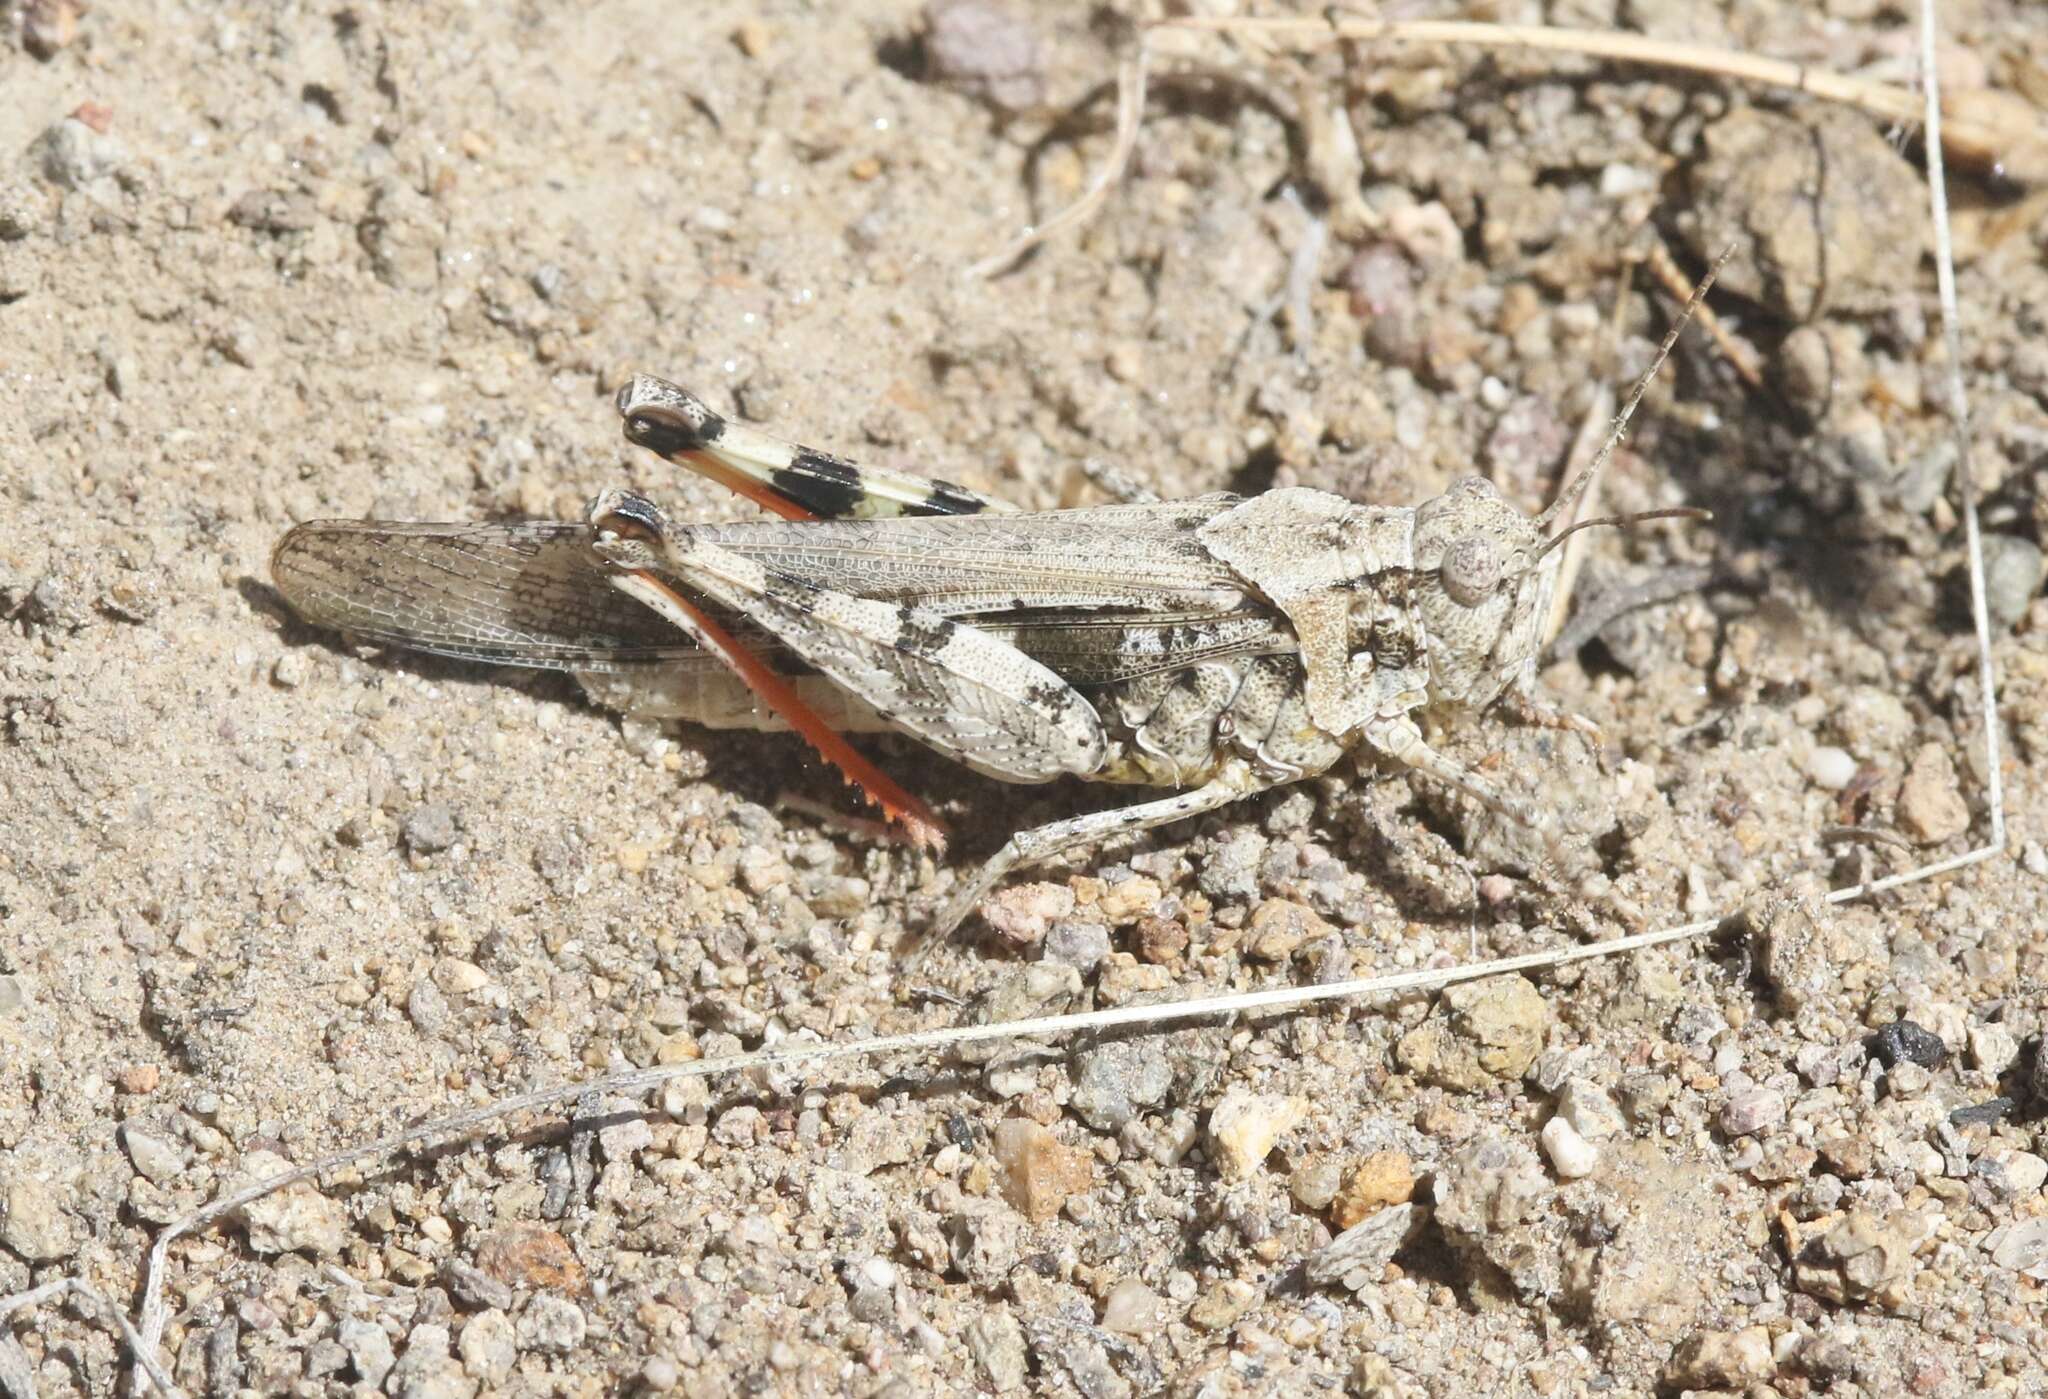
{"type": "Point", "coordinates": [1130, 109]}
{"type": "Point", "coordinates": [1959, 420]}
{"type": "Point", "coordinates": [1999, 133]}
{"type": "Point", "coordinates": [143, 1352]}
{"type": "Point", "coordinates": [1992, 131]}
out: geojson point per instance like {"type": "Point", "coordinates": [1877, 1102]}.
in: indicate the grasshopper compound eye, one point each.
{"type": "Point", "coordinates": [1471, 570]}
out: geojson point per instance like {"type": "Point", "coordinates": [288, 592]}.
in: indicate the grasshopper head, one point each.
{"type": "Point", "coordinates": [1483, 582]}
{"type": "Point", "coordinates": [1486, 572]}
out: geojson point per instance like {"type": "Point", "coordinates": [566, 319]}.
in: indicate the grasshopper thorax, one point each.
{"type": "Point", "coordinates": [1394, 609]}
{"type": "Point", "coordinates": [1483, 586]}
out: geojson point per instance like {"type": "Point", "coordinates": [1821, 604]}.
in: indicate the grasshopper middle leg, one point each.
{"type": "Point", "coordinates": [1042, 843]}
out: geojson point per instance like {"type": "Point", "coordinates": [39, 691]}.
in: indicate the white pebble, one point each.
{"type": "Point", "coordinates": [1618, 179]}
{"type": "Point", "coordinates": [2024, 1171]}
{"type": "Point", "coordinates": [1993, 1048]}
{"type": "Point", "coordinates": [1830, 767]}
{"type": "Point", "coordinates": [1571, 1155]}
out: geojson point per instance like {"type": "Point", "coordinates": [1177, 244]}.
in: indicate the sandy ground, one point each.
{"type": "Point", "coordinates": [262, 897]}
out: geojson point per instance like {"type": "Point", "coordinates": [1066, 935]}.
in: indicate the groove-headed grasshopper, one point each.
{"type": "Point", "coordinates": [1218, 646]}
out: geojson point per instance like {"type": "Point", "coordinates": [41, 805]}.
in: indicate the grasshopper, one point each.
{"type": "Point", "coordinates": [1217, 646]}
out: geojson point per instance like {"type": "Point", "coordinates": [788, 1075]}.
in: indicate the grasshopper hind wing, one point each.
{"type": "Point", "coordinates": [504, 594]}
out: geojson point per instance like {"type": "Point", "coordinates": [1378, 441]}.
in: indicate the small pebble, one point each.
{"type": "Point", "coordinates": [1160, 941]}
{"type": "Point", "coordinates": [1131, 1309]}
{"type": "Point", "coordinates": [47, 26]}
{"type": "Point", "coordinates": [426, 1007]}
{"type": "Point", "coordinates": [1931, 806]}
{"type": "Point", "coordinates": [1115, 1080]}
{"type": "Point", "coordinates": [72, 155]}
{"type": "Point", "coordinates": [429, 828]}
{"type": "Point", "coordinates": [1902, 1041]}
{"type": "Point", "coordinates": [1315, 1182]}
{"type": "Point", "coordinates": [1125, 900]}
{"type": "Point", "coordinates": [530, 1255]}
{"type": "Point", "coordinates": [2012, 576]}
{"type": "Point", "coordinates": [21, 210]}
{"type": "Point", "coordinates": [1279, 926]}
{"type": "Point", "coordinates": [1571, 1155]}
{"type": "Point", "coordinates": [1076, 942]}
{"type": "Point", "coordinates": [1722, 1360]}
{"type": "Point", "coordinates": [2022, 1247]}
{"type": "Point", "coordinates": [33, 1221]}
{"type": "Point", "coordinates": [1359, 1256]}
{"type": "Point", "coordinates": [1865, 1254]}
{"type": "Point", "coordinates": [1830, 767]}
{"type": "Point", "coordinates": [1751, 1111]}
{"type": "Point", "coordinates": [1382, 1179]}
{"type": "Point", "coordinates": [1221, 1306]}
{"type": "Point", "coordinates": [622, 1140]}
{"type": "Point", "coordinates": [1907, 1080]}
{"type": "Point", "coordinates": [473, 1287]}
{"type": "Point", "coordinates": [369, 1350]}
{"type": "Point", "coordinates": [488, 1346]}
{"type": "Point", "coordinates": [157, 1158]}
{"type": "Point", "coordinates": [2013, 1175]}
{"type": "Point", "coordinates": [1244, 1127]}
{"type": "Point", "coordinates": [459, 978]}
{"type": "Point", "coordinates": [1484, 1032]}
{"type": "Point", "coordinates": [551, 1323]}
{"type": "Point", "coordinates": [1023, 914]}
{"type": "Point", "coordinates": [296, 1219]}
{"type": "Point", "coordinates": [1993, 1048]}
{"type": "Point", "coordinates": [1988, 1113]}
{"type": "Point", "coordinates": [995, 1339]}
{"type": "Point", "coordinates": [1587, 1106]}
{"type": "Point", "coordinates": [1036, 1171]}
{"type": "Point", "coordinates": [981, 48]}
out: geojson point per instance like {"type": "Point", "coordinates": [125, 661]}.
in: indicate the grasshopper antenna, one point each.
{"type": "Point", "coordinates": [1676, 512]}
{"type": "Point", "coordinates": [1568, 499]}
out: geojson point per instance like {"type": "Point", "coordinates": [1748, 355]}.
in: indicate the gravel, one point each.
{"type": "Point", "coordinates": [269, 893]}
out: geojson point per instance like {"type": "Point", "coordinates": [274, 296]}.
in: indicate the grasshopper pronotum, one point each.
{"type": "Point", "coordinates": [1217, 646]}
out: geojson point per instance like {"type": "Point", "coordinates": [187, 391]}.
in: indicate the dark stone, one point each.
{"type": "Point", "coordinates": [1988, 1113]}
{"type": "Point", "coordinates": [1903, 1041]}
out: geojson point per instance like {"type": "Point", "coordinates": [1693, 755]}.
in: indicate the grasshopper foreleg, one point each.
{"type": "Point", "coordinates": [1524, 707]}
{"type": "Point", "coordinates": [1042, 843]}
{"type": "Point", "coordinates": [1402, 741]}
